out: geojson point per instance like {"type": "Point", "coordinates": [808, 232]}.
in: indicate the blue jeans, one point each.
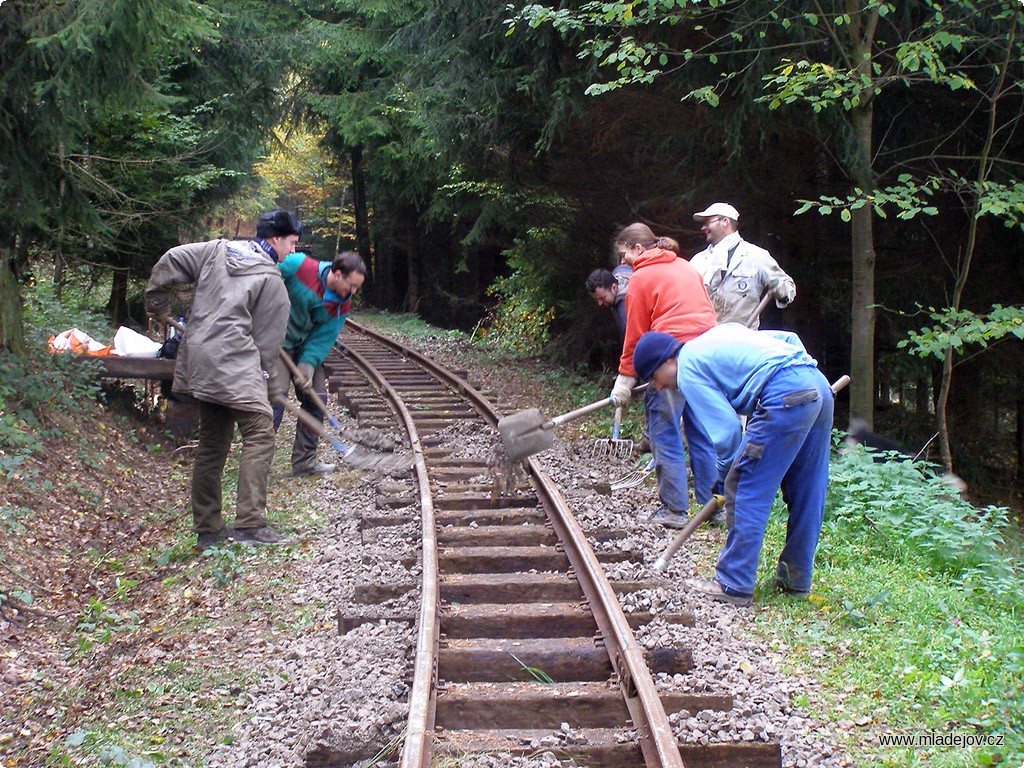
{"type": "Point", "coordinates": [703, 458]}
{"type": "Point", "coordinates": [664, 410]}
{"type": "Point", "coordinates": [786, 444]}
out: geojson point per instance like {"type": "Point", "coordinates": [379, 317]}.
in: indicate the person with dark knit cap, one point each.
{"type": "Point", "coordinates": [768, 377]}
{"type": "Point", "coordinates": [228, 362]}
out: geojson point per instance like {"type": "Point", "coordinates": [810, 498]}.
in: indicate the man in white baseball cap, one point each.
{"type": "Point", "coordinates": [737, 273]}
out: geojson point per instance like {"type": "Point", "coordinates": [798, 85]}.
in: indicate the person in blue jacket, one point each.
{"type": "Point", "coordinates": [768, 377]}
{"type": "Point", "coordinates": [321, 296]}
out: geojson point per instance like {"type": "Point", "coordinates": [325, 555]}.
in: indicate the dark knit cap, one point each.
{"type": "Point", "coordinates": [278, 223]}
{"type": "Point", "coordinates": [652, 350]}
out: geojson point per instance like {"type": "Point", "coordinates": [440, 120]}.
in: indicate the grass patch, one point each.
{"type": "Point", "coordinates": [914, 626]}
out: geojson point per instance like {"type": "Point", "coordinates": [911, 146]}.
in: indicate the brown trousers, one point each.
{"type": "Point", "coordinates": [216, 428]}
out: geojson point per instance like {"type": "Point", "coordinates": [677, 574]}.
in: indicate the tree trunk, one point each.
{"type": "Point", "coordinates": [1020, 430]}
{"type": "Point", "coordinates": [360, 209]}
{"type": "Point", "coordinates": [118, 302]}
{"type": "Point", "coordinates": [862, 341]}
{"type": "Point", "coordinates": [58, 274]}
{"type": "Point", "coordinates": [12, 331]}
{"type": "Point", "coordinates": [862, 26]}
{"type": "Point", "coordinates": [412, 288]}
{"type": "Point", "coordinates": [968, 253]}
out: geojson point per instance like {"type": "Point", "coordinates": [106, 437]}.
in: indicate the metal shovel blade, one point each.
{"type": "Point", "coordinates": [361, 458]}
{"type": "Point", "coordinates": [523, 433]}
{"type": "Point", "coordinates": [528, 432]}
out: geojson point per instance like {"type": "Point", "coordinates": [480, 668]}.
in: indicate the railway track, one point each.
{"type": "Point", "coordinates": [521, 644]}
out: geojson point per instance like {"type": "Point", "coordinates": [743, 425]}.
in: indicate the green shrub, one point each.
{"type": "Point", "coordinates": [38, 383]}
{"type": "Point", "coordinates": [896, 506]}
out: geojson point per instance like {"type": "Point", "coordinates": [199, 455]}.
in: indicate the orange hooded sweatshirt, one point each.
{"type": "Point", "coordinates": [665, 294]}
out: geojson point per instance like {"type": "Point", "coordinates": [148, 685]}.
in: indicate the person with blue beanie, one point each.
{"type": "Point", "coordinates": [768, 377]}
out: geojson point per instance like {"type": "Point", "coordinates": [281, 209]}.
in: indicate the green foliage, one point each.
{"type": "Point", "coordinates": [901, 508]}
{"type": "Point", "coordinates": [100, 622]}
{"type": "Point", "coordinates": [37, 383]}
{"type": "Point", "coordinates": [914, 621]}
{"type": "Point", "coordinates": [224, 566]}
{"type": "Point", "coordinates": [110, 754]}
{"type": "Point", "coordinates": [536, 673]}
{"type": "Point", "coordinates": [956, 329]}
{"type": "Point", "coordinates": [522, 318]}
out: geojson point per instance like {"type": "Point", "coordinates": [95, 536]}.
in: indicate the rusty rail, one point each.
{"type": "Point", "coordinates": [637, 686]}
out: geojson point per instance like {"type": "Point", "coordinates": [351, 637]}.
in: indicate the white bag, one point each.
{"type": "Point", "coordinates": [129, 343]}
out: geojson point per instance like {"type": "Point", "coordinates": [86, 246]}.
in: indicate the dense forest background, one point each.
{"type": "Point", "coordinates": [483, 155]}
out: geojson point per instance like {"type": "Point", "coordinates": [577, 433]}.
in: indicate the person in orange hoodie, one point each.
{"type": "Point", "coordinates": [666, 294]}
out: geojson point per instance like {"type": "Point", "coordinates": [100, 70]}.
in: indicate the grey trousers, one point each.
{"type": "Point", "coordinates": [307, 441]}
{"type": "Point", "coordinates": [216, 428]}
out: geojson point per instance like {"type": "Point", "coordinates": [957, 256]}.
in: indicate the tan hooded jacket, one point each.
{"type": "Point", "coordinates": [236, 325]}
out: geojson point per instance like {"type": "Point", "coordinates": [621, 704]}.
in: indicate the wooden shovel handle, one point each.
{"type": "Point", "coordinates": [716, 503]}
{"type": "Point", "coordinates": [307, 387]}
{"type": "Point", "coordinates": [560, 420]}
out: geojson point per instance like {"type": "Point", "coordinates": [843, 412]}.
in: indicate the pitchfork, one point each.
{"type": "Point", "coordinates": [634, 478]}
{"type": "Point", "coordinates": [613, 447]}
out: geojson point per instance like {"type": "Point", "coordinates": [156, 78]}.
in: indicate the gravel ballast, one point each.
{"type": "Point", "coordinates": [338, 695]}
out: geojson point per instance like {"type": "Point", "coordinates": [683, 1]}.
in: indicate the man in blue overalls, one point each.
{"type": "Point", "coordinates": [768, 377]}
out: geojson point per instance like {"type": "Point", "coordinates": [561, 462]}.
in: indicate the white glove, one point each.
{"type": "Point", "coordinates": [623, 390]}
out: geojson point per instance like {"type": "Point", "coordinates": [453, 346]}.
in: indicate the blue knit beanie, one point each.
{"type": "Point", "coordinates": [652, 350]}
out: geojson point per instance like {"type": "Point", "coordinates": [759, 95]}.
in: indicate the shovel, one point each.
{"type": "Point", "coordinates": [352, 454]}
{"type": "Point", "coordinates": [528, 432]}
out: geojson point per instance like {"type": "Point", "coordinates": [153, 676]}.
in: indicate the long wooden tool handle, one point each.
{"type": "Point", "coordinates": [307, 387]}
{"type": "Point", "coordinates": [558, 421]}
{"type": "Point", "coordinates": [760, 308]}
{"type": "Point", "coordinates": [698, 520]}
{"type": "Point", "coordinates": [839, 383]}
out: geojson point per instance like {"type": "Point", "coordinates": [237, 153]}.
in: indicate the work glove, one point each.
{"type": "Point", "coordinates": [305, 380]}
{"type": "Point", "coordinates": [623, 390]}
{"type": "Point", "coordinates": [778, 291]}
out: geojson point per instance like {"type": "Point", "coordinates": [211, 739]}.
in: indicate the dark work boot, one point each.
{"type": "Point", "coordinates": [669, 518]}
{"type": "Point", "coordinates": [257, 536]}
{"type": "Point", "coordinates": [212, 538]}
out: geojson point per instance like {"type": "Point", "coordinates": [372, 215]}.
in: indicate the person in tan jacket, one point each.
{"type": "Point", "coordinates": [737, 273]}
{"type": "Point", "coordinates": [228, 362]}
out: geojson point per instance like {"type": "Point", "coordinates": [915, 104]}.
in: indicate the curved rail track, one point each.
{"type": "Point", "coordinates": [521, 645]}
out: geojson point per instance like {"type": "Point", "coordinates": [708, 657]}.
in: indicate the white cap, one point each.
{"type": "Point", "coordinates": [718, 209]}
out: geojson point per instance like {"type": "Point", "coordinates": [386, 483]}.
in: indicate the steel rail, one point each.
{"type": "Point", "coordinates": [418, 736]}
{"type": "Point", "coordinates": [656, 738]}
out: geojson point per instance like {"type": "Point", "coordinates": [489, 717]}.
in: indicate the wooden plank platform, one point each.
{"type": "Point", "coordinates": [112, 367]}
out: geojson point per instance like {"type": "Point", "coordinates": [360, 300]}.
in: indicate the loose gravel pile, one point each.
{"type": "Point", "coordinates": [339, 698]}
